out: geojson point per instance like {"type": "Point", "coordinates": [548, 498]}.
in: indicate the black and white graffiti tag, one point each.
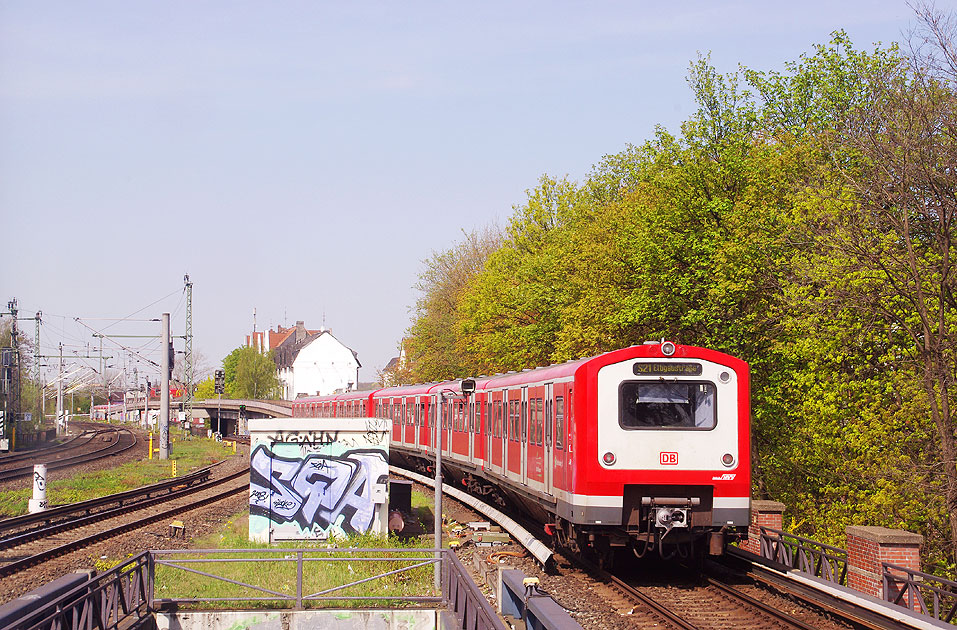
{"type": "Point", "coordinates": [315, 490]}
{"type": "Point", "coordinates": [306, 438]}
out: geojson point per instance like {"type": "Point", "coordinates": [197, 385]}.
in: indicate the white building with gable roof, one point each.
{"type": "Point", "coordinates": [315, 363]}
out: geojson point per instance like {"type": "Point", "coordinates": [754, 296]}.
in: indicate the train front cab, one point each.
{"type": "Point", "coordinates": [668, 460]}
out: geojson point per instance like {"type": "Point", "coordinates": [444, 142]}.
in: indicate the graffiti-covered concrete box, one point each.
{"type": "Point", "coordinates": [312, 478]}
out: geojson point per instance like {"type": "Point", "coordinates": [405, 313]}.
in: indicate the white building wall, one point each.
{"type": "Point", "coordinates": [322, 367]}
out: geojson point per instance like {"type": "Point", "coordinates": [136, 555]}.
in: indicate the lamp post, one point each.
{"type": "Point", "coordinates": [437, 527]}
{"type": "Point", "coordinates": [466, 388]}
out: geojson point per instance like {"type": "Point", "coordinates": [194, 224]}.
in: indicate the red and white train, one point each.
{"type": "Point", "coordinates": [647, 447]}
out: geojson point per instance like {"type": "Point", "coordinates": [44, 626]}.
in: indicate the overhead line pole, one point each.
{"type": "Point", "coordinates": [164, 394]}
{"type": "Point", "coordinates": [59, 397]}
{"type": "Point", "coordinates": [188, 363]}
{"type": "Point", "coordinates": [36, 373]}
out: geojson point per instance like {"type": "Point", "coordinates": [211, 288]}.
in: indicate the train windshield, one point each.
{"type": "Point", "coordinates": [681, 405]}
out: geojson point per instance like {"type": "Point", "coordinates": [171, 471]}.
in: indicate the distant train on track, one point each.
{"type": "Point", "coordinates": [647, 447]}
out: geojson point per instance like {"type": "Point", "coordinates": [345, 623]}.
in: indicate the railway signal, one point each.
{"type": "Point", "coordinates": [219, 382]}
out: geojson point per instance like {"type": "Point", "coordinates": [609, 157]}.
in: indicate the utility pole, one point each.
{"type": "Point", "coordinates": [36, 372]}
{"type": "Point", "coordinates": [164, 394]}
{"type": "Point", "coordinates": [188, 362]}
{"type": "Point", "coordinates": [59, 396]}
{"type": "Point", "coordinates": [437, 520]}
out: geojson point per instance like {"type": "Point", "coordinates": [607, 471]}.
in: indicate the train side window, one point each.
{"type": "Point", "coordinates": [511, 419]}
{"type": "Point", "coordinates": [516, 421]}
{"type": "Point", "coordinates": [540, 420]}
{"type": "Point", "coordinates": [524, 421]}
{"type": "Point", "coordinates": [548, 423]}
{"type": "Point", "coordinates": [559, 423]}
{"type": "Point", "coordinates": [676, 405]}
{"type": "Point", "coordinates": [570, 420]}
{"type": "Point", "coordinates": [471, 417]}
{"type": "Point", "coordinates": [532, 422]}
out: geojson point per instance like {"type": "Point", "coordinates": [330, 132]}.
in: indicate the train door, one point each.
{"type": "Point", "coordinates": [419, 420]}
{"type": "Point", "coordinates": [393, 414]}
{"type": "Point", "coordinates": [524, 436]}
{"type": "Point", "coordinates": [435, 422]}
{"type": "Point", "coordinates": [470, 427]}
{"type": "Point", "coordinates": [549, 453]}
{"type": "Point", "coordinates": [496, 446]}
{"type": "Point", "coordinates": [535, 437]}
{"type": "Point", "coordinates": [447, 431]}
{"type": "Point", "coordinates": [426, 428]}
{"type": "Point", "coordinates": [513, 442]}
{"type": "Point", "coordinates": [569, 442]}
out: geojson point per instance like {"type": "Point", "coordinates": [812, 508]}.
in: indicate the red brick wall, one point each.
{"type": "Point", "coordinates": [869, 547]}
{"type": "Point", "coordinates": [763, 514]}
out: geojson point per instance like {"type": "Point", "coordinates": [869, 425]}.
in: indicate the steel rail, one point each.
{"type": "Point", "coordinates": [534, 546]}
{"type": "Point", "coordinates": [15, 456]}
{"type": "Point", "coordinates": [35, 534]}
{"type": "Point", "coordinates": [778, 581]}
{"type": "Point", "coordinates": [761, 606]}
{"type": "Point", "coordinates": [55, 452]}
{"type": "Point", "coordinates": [69, 547]}
{"type": "Point", "coordinates": [99, 453]}
{"type": "Point", "coordinates": [49, 515]}
{"type": "Point", "coordinates": [631, 591]}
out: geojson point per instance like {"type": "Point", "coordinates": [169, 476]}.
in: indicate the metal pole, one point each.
{"type": "Point", "coordinates": [438, 492]}
{"type": "Point", "coordinates": [164, 394]}
{"type": "Point", "coordinates": [188, 361]}
{"type": "Point", "coordinates": [36, 373]}
{"type": "Point", "coordinates": [59, 396]}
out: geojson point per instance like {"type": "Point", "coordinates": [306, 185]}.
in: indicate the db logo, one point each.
{"type": "Point", "coordinates": [668, 459]}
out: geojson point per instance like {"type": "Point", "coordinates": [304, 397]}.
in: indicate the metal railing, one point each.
{"type": "Point", "coordinates": [119, 598]}
{"type": "Point", "coordinates": [921, 592]}
{"type": "Point", "coordinates": [295, 578]}
{"type": "Point", "coordinates": [819, 559]}
{"type": "Point", "coordinates": [128, 595]}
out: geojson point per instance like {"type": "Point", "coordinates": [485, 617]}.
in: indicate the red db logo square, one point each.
{"type": "Point", "coordinates": [668, 459]}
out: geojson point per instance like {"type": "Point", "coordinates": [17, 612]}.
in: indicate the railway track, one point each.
{"type": "Point", "coordinates": [704, 604]}
{"type": "Point", "coordinates": [25, 549]}
{"type": "Point", "coordinates": [91, 445]}
{"type": "Point", "coordinates": [66, 516]}
{"type": "Point", "coordinates": [47, 449]}
{"type": "Point", "coordinates": [689, 599]}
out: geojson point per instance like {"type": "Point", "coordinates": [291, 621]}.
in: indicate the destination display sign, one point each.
{"type": "Point", "coordinates": [667, 369]}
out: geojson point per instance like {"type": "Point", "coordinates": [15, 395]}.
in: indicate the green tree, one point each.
{"type": "Point", "coordinates": [250, 374]}
{"type": "Point", "coordinates": [205, 389]}
{"type": "Point", "coordinates": [877, 280]}
{"type": "Point", "coordinates": [434, 347]}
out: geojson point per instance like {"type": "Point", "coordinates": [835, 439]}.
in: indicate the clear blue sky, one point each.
{"type": "Point", "coordinates": [303, 158]}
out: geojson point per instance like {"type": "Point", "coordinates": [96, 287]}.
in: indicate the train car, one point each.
{"type": "Point", "coordinates": [647, 447]}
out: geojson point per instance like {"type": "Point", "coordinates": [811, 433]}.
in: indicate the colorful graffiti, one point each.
{"type": "Point", "coordinates": [317, 484]}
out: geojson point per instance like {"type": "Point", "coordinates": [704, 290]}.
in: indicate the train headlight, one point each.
{"type": "Point", "coordinates": [667, 348]}
{"type": "Point", "coordinates": [727, 459]}
{"type": "Point", "coordinates": [609, 458]}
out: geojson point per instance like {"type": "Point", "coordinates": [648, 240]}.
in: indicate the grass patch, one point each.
{"type": "Point", "coordinates": [327, 566]}
{"type": "Point", "coordinates": [423, 508]}
{"type": "Point", "coordinates": [188, 454]}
